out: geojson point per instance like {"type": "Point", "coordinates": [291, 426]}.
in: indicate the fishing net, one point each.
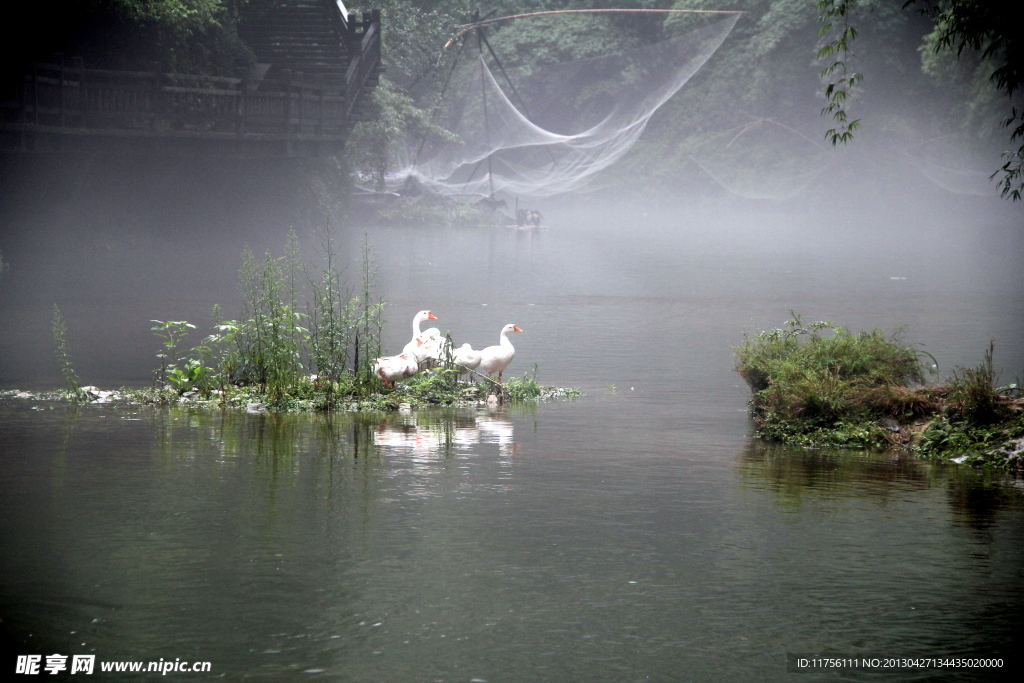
{"type": "Point", "coordinates": [956, 165]}
{"type": "Point", "coordinates": [763, 159]}
{"type": "Point", "coordinates": [553, 129]}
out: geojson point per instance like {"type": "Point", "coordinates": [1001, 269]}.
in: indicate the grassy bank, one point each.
{"type": "Point", "coordinates": [429, 389]}
{"type": "Point", "coordinates": [819, 384]}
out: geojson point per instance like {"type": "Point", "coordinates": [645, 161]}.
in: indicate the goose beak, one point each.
{"type": "Point", "coordinates": [431, 316]}
{"type": "Point", "coordinates": [516, 328]}
{"type": "Point", "coordinates": [419, 342]}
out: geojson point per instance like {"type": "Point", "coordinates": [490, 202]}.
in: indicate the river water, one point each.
{"type": "Point", "coordinates": [637, 533]}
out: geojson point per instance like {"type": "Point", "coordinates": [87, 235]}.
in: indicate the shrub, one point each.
{"type": "Point", "coordinates": [808, 377]}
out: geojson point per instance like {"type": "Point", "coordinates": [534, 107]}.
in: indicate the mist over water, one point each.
{"type": "Point", "coordinates": [118, 243]}
{"type": "Point", "coordinates": [636, 533]}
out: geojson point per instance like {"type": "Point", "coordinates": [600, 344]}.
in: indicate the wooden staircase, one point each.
{"type": "Point", "coordinates": [306, 36]}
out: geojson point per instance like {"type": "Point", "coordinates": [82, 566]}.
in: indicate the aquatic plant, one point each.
{"type": "Point", "coordinates": [171, 332]}
{"type": "Point", "coordinates": [72, 386]}
{"type": "Point", "coordinates": [973, 393]}
{"type": "Point", "coordinates": [345, 330]}
{"type": "Point", "coordinates": [268, 334]}
{"type": "Point", "coordinates": [331, 314]}
{"type": "Point", "coordinates": [268, 359]}
{"type": "Point", "coordinates": [979, 423]}
{"type": "Point", "coordinates": [368, 343]}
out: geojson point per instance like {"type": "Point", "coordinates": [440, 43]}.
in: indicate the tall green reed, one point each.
{"type": "Point", "coordinates": [72, 385]}
{"type": "Point", "coordinates": [269, 336]}
{"type": "Point", "coordinates": [268, 347]}
{"type": "Point", "coordinates": [332, 315]}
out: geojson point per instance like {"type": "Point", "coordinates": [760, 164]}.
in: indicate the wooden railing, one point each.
{"type": "Point", "coordinates": [58, 99]}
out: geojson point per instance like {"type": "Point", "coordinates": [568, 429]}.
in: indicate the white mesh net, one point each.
{"type": "Point", "coordinates": [956, 165]}
{"type": "Point", "coordinates": [763, 159]}
{"type": "Point", "coordinates": [568, 122]}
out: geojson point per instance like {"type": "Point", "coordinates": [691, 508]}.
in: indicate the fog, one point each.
{"type": "Point", "coordinates": [118, 241]}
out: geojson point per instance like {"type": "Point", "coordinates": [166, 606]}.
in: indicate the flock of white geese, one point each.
{"type": "Point", "coordinates": [424, 351]}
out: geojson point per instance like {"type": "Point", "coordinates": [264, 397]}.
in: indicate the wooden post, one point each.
{"type": "Point", "coordinates": [300, 83]}
{"type": "Point", "coordinates": [60, 90]}
{"type": "Point", "coordinates": [286, 76]}
{"type": "Point", "coordinates": [35, 94]}
{"type": "Point", "coordinates": [78, 65]}
{"type": "Point", "coordinates": [319, 94]}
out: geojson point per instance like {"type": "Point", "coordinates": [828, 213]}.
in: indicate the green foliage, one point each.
{"type": "Point", "coordinates": [986, 32]}
{"type": "Point", "coordinates": [413, 36]}
{"type": "Point", "coordinates": [953, 436]}
{"type": "Point", "coordinates": [72, 386]}
{"type": "Point", "coordinates": [268, 335]}
{"type": "Point", "coordinates": [986, 39]}
{"type": "Point", "coordinates": [183, 36]}
{"type": "Point", "coordinates": [835, 23]}
{"type": "Point", "coordinates": [524, 388]}
{"type": "Point", "coordinates": [269, 350]}
{"type": "Point", "coordinates": [170, 332]}
{"type": "Point", "coordinates": [809, 380]}
{"type": "Point", "coordinates": [973, 393]}
{"type": "Point", "coordinates": [374, 145]}
{"type": "Point", "coordinates": [850, 390]}
{"type": "Point", "coordinates": [369, 329]}
{"type": "Point", "coordinates": [332, 316]}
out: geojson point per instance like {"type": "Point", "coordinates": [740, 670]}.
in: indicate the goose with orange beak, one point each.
{"type": "Point", "coordinates": [494, 359]}
{"type": "Point", "coordinates": [419, 339]}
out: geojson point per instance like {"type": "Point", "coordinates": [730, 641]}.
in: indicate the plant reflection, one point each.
{"type": "Point", "coordinates": [275, 439]}
{"type": "Point", "coordinates": [796, 475]}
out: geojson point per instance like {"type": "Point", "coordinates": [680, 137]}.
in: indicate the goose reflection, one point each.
{"type": "Point", "coordinates": [430, 434]}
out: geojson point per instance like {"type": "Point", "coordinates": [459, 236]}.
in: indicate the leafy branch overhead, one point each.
{"type": "Point", "coordinates": [835, 21]}
{"type": "Point", "coordinates": [988, 29]}
{"type": "Point", "coordinates": [991, 29]}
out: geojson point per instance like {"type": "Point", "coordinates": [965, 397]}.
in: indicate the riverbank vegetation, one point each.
{"type": "Point", "coordinates": [819, 384]}
{"type": "Point", "coordinates": [304, 341]}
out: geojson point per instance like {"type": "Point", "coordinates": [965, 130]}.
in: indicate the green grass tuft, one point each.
{"type": "Point", "coordinates": [822, 383]}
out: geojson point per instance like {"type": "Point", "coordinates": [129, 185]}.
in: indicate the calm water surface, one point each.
{"type": "Point", "coordinates": [636, 534]}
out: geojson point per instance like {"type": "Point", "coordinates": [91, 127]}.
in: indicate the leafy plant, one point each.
{"type": "Point", "coordinates": [331, 317]}
{"type": "Point", "coordinates": [835, 21]}
{"type": "Point", "coordinates": [269, 335]}
{"type": "Point", "coordinates": [72, 386]}
{"type": "Point", "coordinates": [171, 332]}
{"type": "Point", "coordinates": [973, 393]}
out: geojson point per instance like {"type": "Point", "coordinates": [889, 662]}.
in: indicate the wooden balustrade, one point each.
{"type": "Point", "coordinates": [294, 114]}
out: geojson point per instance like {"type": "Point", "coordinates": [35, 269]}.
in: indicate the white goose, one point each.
{"type": "Point", "coordinates": [390, 368]}
{"type": "Point", "coordinates": [415, 345]}
{"type": "Point", "coordinates": [494, 359]}
{"type": "Point", "coordinates": [429, 353]}
{"type": "Point", "coordinates": [467, 359]}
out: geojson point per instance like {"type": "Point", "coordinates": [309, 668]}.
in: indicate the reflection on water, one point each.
{"type": "Point", "coordinates": [497, 545]}
{"type": "Point", "coordinates": [182, 433]}
{"type": "Point", "coordinates": [428, 434]}
{"type": "Point", "coordinates": [795, 474]}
